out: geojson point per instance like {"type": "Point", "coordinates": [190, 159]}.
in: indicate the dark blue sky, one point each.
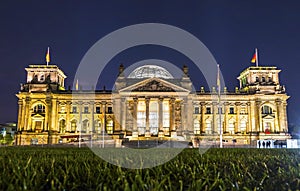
{"type": "Point", "coordinates": [230, 29]}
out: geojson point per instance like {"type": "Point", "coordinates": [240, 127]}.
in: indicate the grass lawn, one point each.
{"type": "Point", "coordinates": [34, 168]}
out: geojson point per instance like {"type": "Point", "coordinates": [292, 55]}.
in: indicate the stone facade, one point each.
{"type": "Point", "coordinates": [151, 107]}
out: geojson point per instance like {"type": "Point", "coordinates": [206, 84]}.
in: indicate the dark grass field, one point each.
{"type": "Point", "coordinates": [28, 168]}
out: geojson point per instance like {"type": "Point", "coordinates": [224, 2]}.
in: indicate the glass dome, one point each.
{"type": "Point", "coordinates": [150, 71]}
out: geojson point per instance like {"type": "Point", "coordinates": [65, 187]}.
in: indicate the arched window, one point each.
{"type": "Point", "coordinates": [62, 126]}
{"type": "Point", "coordinates": [109, 126]}
{"type": "Point", "coordinates": [196, 127]}
{"type": "Point", "coordinates": [84, 126]}
{"type": "Point", "coordinates": [39, 108]}
{"type": "Point", "coordinates": [208, 129]}
{"type": "Point", "coordinates": [243, 126]}
{"type": "Point", "coordinates": [263, 79]}
{"type": "Point", "coordinates": [97, 124]}
{"type": "Point", "coordinates": [266, 110]}
{"type": "Point", "coordinates": [73, 125]}
{"type": "Point", "coordinates": [231, 126]}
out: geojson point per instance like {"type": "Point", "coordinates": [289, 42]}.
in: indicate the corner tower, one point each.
{"type": "Point", "coordinates": [41, 78]}
{"type": "Point", "coordinates": [261, 79]}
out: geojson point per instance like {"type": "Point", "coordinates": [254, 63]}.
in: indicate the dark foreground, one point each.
{"type": "Point", "coordinates": [25, 168]}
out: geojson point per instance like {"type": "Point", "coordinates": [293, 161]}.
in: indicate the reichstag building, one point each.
{"type": "Point", "coordinates": [150, 103]}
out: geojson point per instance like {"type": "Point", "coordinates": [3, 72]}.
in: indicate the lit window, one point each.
{"type": "Point", "coordinates": [109, 110]}
{"type": "Point", "coordinates": [196, 127]}
{"type": "Point", "coordinates": [84, 126]}
{"type": "Point", "coordinates": [74, 109]}
{"type": "Point", "coordinates": [73, 125]}
{"type": "Point", "coordinates": [231, 110]}
{"type": "Point", "coordinates": [243, 110]}
{"type": "Point", "coordinates": [266, 110]}
{"type": "Point", "coordinates": [208, 110]}
{"type": "Point", "coordinates": [86, 109]}
{"type": "Point", "coordinates": [62, 109]}
{"type": "Point", "coordinates": [39, 108]}
{"type": "Point", "coordinates": [98, 110]}
{"type": "Point", "coordinates": [197, 111]}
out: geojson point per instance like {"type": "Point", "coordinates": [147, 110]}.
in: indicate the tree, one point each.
{"type": "Point", "coordinates": [8, 139]}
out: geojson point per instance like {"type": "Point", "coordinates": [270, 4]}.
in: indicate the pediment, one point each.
{"type": "Point", "coordinates": [38, 116]}
{"type": "Point", "coordinates": [268, 116]}
{"type": "Point", "coordinates": [154, 85]}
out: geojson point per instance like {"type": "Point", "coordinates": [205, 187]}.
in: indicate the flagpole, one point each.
{"type": "Point", "coordinates": [48, 56]}
{"type": "Point", "coordinates": [219, 107]}
{"type": "Point", "coordinates": [256, 52]}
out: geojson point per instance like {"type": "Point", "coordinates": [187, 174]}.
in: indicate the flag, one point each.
{"type": "Point", "coordinates": [76, 86]}
{"type": "Point", "coordinates": [253, 60]}
{"type": "Point", "coordinates": [48, 56]}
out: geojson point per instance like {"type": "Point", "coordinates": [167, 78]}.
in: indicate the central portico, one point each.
{"type": "Point", "coordinates": [152, 102]}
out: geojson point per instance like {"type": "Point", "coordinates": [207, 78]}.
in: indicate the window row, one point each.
{"type": "Point", "coordinates": [264, 110]}
{"type": "Point", "coordinates": [209, 110]}
{"type": "Point", "coordinates": [86, 109]}
{"type": "Point", "coordinates": [264, 79]}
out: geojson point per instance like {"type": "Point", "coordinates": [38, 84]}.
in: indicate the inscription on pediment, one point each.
{"type": "Point", "coordinates": [154, 86]}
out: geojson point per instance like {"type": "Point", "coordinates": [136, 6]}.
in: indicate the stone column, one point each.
{"type": "Point", "coordinates": [183, 115]}
{"type": "Point", "coordinates": [284, 127]}
{"type": "Point", "coordinates": [53, 115]}
{"type": "Point", "coordinates": [249, 125]}
{"type": "Point", "coordinates": [103, 105]}
{"type": "Point", "coordinates": [258, 116]}
{"type": "Point", "coordinates": [22, 125]}
{"type": "Point", "coordinates": [117, 114]}
{"type": "Point", "coordinates": [202, 117]}
{"type": "Point", "coordinates": [147, 101]}
{"type": "Point", "coordinates": [172, 114]}
{"type": "Point", "coordinates": [189, 111]}
{"type": "Point", "coordinates": [20, 105]}
{"type": "Point", "coordinates": [278, 117]}
{"type": "Point", "coordinates": [226, 111]}
{"type": "Point", "coordinates": [123, 113]}
{"type": "Point", "coordinates": [68, 108]}
{"type": "Point", "coordinates": [215, 123]}
{"type": "Point", "coordinates": [27, 113]}
{"type": "Point", "coordinates": [80, 115]}
{"type": "Point", "coordinates": [129, 115]}
{"type": "Point", "coordinates": [92, 107]}
{"type": "Point", "coordinates": [253, 116]}
{"type": "Point", "coordinates": [237, 120]}
{"type": "Point", "coordinates": [160, 113]}
{"type": "Point", "coordinates": [178, 118]}
{"type": "Point", "coordinates": [135, 102]}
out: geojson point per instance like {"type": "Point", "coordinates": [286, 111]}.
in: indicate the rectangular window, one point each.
{"type": "Point", "coordinates": [166, 114]}
{"type": "Point", "coordinates": [208, 110]}
{"type": "Point", "coordinates": [86, 109]}
{"type": "Point", "coordinates": [197, 110]}
{"type": "Point", "coordinates": [231, 110]}
{"type": "Point", "coordinates": [98, 110]}
{"type": "Point", "coordinates": [243, 110]}
{"type": "Point", "coordinates": [62, 109]}
{"type": "Point", "coordinates": [109, 109]}
{"type": "Point", "coordinates": [74, 109]}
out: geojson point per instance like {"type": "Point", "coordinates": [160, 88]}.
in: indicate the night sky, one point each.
{"type": "Point", "coordinates": [230, 29]}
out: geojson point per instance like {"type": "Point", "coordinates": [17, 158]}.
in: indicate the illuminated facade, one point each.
{"type": "Point", "coordinates": [151, 103]}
